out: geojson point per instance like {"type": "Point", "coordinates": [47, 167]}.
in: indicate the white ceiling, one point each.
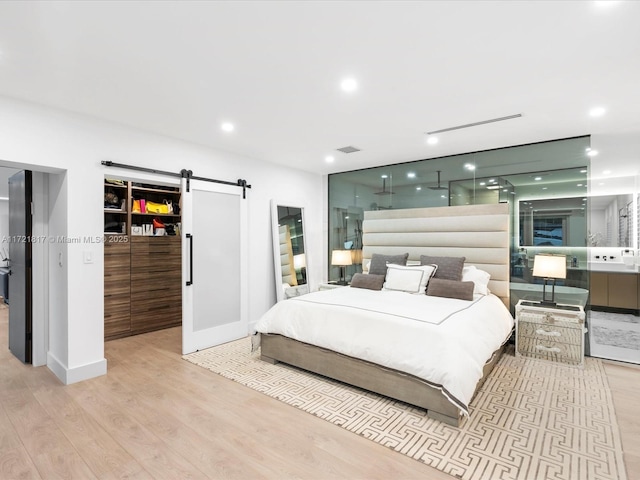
{"type": "Point", "coordinates": [274, 69]}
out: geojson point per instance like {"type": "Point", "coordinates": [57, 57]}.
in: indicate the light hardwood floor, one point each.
{"type": "Point", "coordinates": [156, 416]}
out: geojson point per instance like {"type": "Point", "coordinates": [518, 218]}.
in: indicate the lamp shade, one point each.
{"type": "Point", "coordinates": [550, 266]}
{"type": "Point", "coordinates": [341, 257]}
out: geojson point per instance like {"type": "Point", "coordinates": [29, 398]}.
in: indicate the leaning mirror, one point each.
{"type": "Point", "coordinates": [289, 250]}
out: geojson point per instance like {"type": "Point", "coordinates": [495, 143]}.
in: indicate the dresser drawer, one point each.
{"type": "Point", "coordinates": [550, 350]}
{"type": "Point", "coordinates": [551, 332]}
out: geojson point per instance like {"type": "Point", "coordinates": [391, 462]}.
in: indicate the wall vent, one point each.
{"type": "Point", "coordinates": [349, 149]}
{"type": "Point", "coordinates": [475, 124]}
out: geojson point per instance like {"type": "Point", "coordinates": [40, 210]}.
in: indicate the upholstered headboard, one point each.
{"type": "Point", "coordinates": [478, 232]}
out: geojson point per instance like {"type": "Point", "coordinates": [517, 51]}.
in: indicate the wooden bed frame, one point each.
{"type": "Point", "coordinates": [478, 232]}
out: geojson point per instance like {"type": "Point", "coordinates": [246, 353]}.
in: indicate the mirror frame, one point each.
{"type": "Point", "coordinates": [301, 289]}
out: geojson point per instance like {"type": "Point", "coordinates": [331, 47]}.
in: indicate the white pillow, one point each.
{"type": "Point", "coordinates": [408, 279]}
{"type": "Point", "coordinates": [480, 278]}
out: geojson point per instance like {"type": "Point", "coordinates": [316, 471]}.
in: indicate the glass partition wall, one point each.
{"type": "Point", "coordinates": [544, 183]}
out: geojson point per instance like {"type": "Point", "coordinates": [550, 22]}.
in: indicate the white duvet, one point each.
{"type": "Point", "coordinates": [441, 340]}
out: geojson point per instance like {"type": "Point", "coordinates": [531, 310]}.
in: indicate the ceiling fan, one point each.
{"type": "Point", "coordinates": [439, 187]}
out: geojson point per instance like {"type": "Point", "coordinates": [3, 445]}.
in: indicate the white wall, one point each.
{"type": "Point", "coordinates": [52, 140]}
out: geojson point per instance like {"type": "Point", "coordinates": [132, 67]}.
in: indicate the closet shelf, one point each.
{"type": "Point", "coordinates": [154, 190]}
{"type": "Point", "coordinates": [154, 214]}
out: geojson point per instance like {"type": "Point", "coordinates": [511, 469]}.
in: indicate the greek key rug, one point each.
{"type": "Point", "coordinates": [531, 419]}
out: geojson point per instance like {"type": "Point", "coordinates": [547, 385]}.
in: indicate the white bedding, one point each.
{"type": "Point", "coordinates": [443, 341]}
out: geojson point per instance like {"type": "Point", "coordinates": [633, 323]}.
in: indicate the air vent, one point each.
{"type": "Point", "coordinates": [475, 124]}
{"type": "Point", "coordinates": [348, 149]}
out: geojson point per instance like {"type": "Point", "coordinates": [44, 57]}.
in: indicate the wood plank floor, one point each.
{"type": "Point", "coordinates": [156, 416]}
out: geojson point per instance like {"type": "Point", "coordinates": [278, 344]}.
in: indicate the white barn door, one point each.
{"type": "Point", "coordinates": [214, 270]}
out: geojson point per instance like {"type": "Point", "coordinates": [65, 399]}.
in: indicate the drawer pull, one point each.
{"type": "Point", "coordinates": [542, 331]}
{"type": "Point", "coordinates": [548, 349]}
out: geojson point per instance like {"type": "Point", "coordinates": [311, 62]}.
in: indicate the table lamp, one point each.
{"type": "Point", "coordinates": [549, 267]}
{"type": "Point", "coordinates": [341, 258]}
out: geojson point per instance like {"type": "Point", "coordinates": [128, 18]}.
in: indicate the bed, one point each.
{"type": "Point", "coordinates": [425, 350]}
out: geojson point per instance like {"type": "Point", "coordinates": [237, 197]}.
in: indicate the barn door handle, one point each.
{"type": "Point", "coordinates": [190, 238]}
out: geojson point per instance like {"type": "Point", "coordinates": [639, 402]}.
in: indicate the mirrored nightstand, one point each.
{"type": "Point", "coordinates": [550, 333]}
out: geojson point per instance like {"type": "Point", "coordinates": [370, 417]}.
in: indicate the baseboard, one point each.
{"type": "Point", "coordinates": [77, 374]}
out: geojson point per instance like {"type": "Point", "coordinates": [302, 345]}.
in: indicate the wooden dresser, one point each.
{"type": "Point", "coordinates": [156, 286]}
{"type": "Point", "coordinates": [142, 285]}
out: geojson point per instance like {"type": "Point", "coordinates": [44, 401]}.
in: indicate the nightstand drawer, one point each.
{"type": "Point", "coordinates": [550, 332]}
{"type": "Point", "coordinates": [550, 350]}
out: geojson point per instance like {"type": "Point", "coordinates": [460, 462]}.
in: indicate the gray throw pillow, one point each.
{"type": "Point", "coordinates": [449, 268]}
{"type": "Point", "coordinates": [379, 262]}
{"type": "Point", "coordinates": [370, 281]}
{"type": "Point", "coordinates": [438, 287]}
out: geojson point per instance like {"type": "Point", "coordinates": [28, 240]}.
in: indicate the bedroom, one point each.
{"type": "Point", "coordinates": [68, 146]}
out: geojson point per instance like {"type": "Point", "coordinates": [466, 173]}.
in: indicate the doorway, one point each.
{"type": "Point", "coordinates": [39, 265]}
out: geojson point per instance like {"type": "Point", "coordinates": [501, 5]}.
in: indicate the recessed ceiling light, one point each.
{"type": "Point", "coordinates": [597, 112]}
{"type": "Point", "coordinates": [443, 196]}
{"type": "Point", "coordinates": [418, 188]}
{"type": "Point", "coordinates": [592, 153]}
{"type": "Point", "coordinates": [579, 185]}
{"type": "Point", "coordinates": [411, 175]}
{"type": "Point", "coordinates": [384, 175]}
{"type": "Point", "coordinates": [431, 140]}
{"type": "Point", "coordinates": [606, 172]}
{"type": "Point", "coordinates": [482, 184]}
{"type": "Point", "coordinates": [469, 166]}
{"type": "Point", "coordinates": [544, 188]}
{"type": "Point", "coordinates": [583, 171]}
{"type": "Point", "coordinates": [492, 180]}
{"type": "Point", "coordinates": [605, 3]}
{"type": "Point", "coordinates": [538, 178]}
{"type": "Point", "coordinates": [349, 84]}
{"type": "Point", "coordinates": [227, 127]}
{"type": "Point", "coordinates": [329, 159]}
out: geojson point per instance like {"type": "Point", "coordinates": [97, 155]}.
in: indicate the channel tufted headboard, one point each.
{"type": "Point", "coordinates": [478, 232]}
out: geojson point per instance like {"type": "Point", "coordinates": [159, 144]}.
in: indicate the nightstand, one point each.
{"type": "Point", "coordinates": [330, 286]}
{"type": "Point", "coordinates": [550, 333]}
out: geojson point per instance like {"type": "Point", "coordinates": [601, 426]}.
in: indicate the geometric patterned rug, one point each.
{"type": "Point", "coordinates": [531, 419]}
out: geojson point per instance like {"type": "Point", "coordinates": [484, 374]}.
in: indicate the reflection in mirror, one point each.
{"type": "Point", "coordinates": [289, 250]}
{"type": "Point", "coordinates": [611, 221]}
{"type": "Point", "coordinates": [554, 222]}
